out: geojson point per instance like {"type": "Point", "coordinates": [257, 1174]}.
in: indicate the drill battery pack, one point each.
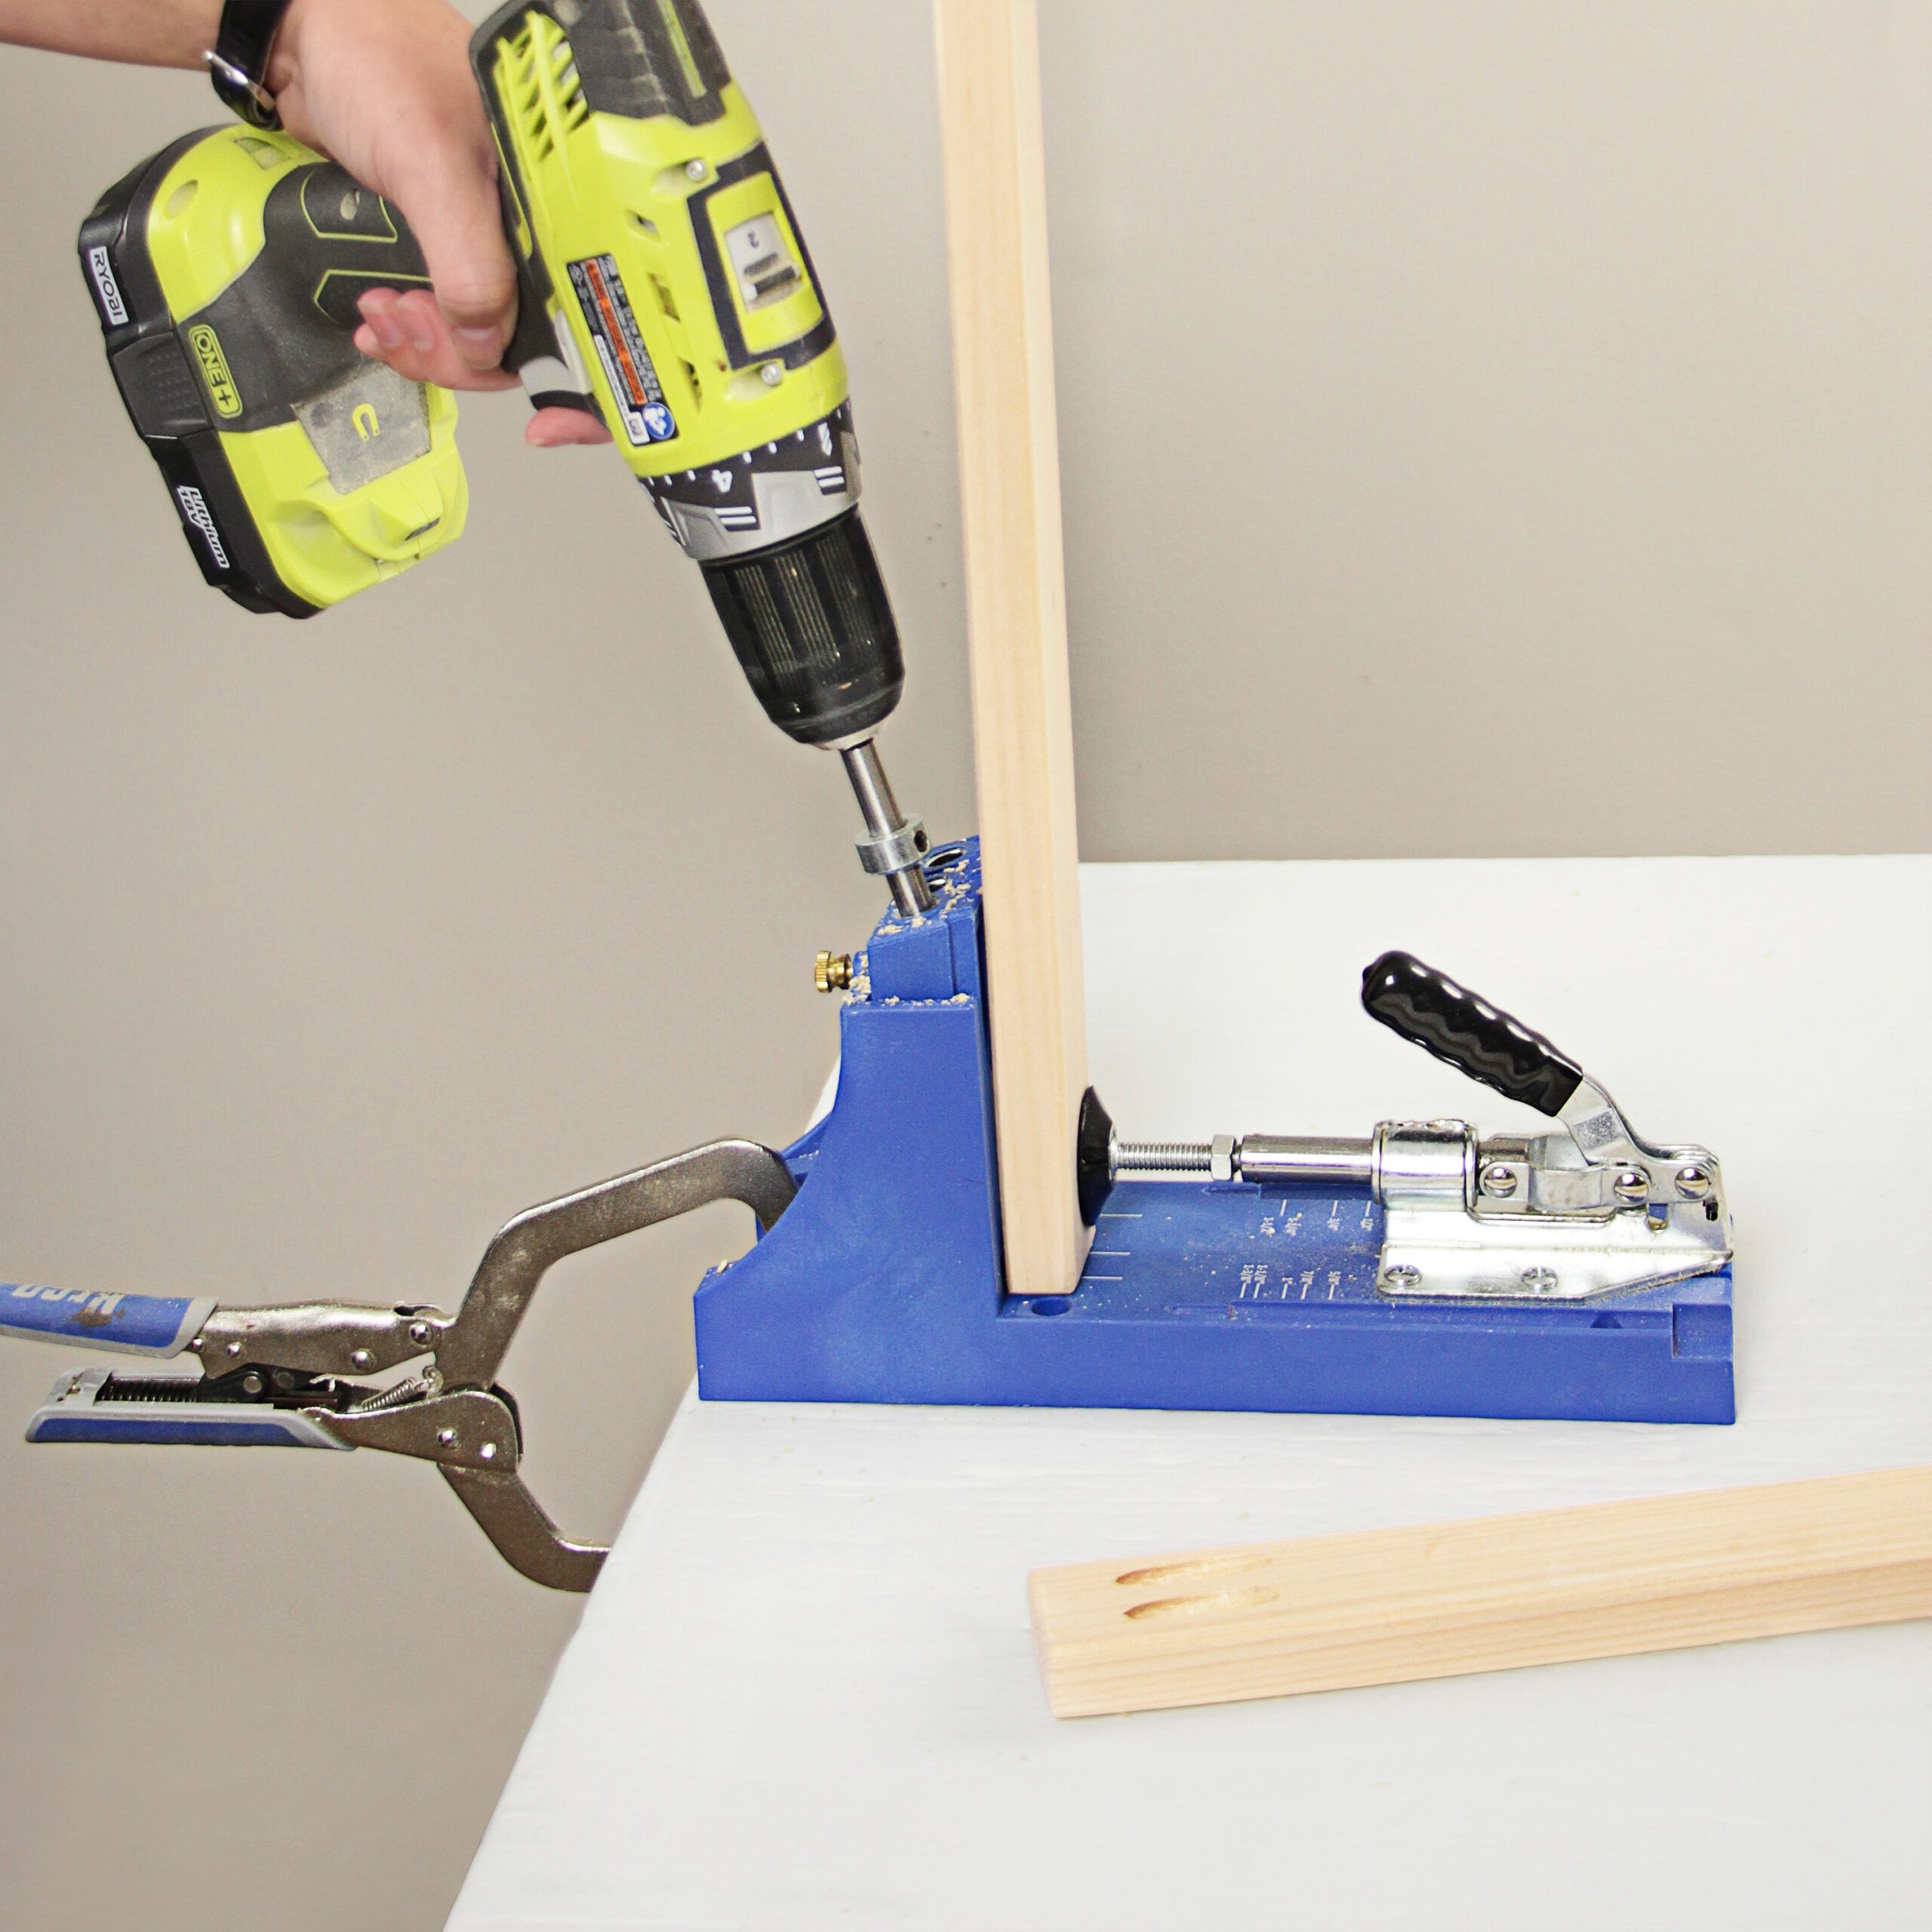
{"type": "Point", "coordinates": [225, 271]}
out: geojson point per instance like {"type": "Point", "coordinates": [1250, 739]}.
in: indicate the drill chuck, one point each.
{"type": "Point", "coordinates": [813, 632]}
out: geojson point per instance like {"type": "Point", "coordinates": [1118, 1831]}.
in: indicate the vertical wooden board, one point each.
{"type": "Point", "coordinates": [1016, 606]}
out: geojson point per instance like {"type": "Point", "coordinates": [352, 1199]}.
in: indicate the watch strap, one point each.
{"type": "Point", "coordinates": [238, 61]}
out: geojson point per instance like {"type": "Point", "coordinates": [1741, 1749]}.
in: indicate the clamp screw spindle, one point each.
{"type": "Point", "coordinates": [832, 972]}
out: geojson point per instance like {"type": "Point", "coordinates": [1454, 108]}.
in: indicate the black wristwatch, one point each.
{"type": "Point", "coordinates": [239, 58]}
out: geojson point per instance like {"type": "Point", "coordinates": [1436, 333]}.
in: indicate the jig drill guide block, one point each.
{"type": "Point", "coordinates": [1582, 1274]}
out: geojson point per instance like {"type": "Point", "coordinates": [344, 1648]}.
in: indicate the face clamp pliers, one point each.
{"type": "Point", "coordinates": [346, 1375]}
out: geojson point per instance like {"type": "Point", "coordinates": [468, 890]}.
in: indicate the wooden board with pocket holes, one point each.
{"type": "Point", "coordinates": [1493, 1593]}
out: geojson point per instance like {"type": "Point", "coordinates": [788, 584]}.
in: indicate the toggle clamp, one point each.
{"type": "Point", "coordinates": [1587, 1210]}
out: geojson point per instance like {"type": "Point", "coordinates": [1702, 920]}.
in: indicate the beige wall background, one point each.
{"type": "Point", "coordinates": [1500, 428]}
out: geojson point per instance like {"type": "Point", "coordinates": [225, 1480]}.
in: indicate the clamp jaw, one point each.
{"type": "Point", "coordinates": [304, 1376]}
{"type": "Point", "coordinates": [1589, 1209]}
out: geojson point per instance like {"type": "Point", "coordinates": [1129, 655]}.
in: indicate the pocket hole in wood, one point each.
{"type": "Point", "coordinates": [1231, 1563]}
{"type": "Point", "coordinates": [1249, 1598]}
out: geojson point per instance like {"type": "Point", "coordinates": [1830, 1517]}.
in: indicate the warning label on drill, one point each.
{"type": "Point", "coordinates": [646, 418]}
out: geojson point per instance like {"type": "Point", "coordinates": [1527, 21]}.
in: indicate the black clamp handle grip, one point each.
{"type": "Point", "coordinates": [1429, 1009]}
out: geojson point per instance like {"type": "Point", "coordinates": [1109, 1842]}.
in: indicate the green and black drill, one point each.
{"type": "Point", "coordinates": [664, 285]}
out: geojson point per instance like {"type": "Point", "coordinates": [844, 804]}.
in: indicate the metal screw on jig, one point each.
{"type": "Point", "coordinates": [1498, 1183]}
{"type": "Point", "coordinates": [1693, 1182]}
{"type": "Point", "coordinates": [1632, 1187]}
{"type": "Point", "coordinates": [419, 1334]}
{"type": "Point", "coordinates": [1402, 1276]}
{"type": "Point", "coordinates": [1539, 1281]}
{"type": "Point", "coordinates": [832, 972]}
{"type": "Point", "coordinates": [360, 1358]}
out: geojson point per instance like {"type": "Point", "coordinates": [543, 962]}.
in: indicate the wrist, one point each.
{"type": "Point", "coordinates": [284, 61]}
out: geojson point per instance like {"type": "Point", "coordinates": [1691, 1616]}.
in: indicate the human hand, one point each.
{"type": "Point", "coordinates": [385, 87]}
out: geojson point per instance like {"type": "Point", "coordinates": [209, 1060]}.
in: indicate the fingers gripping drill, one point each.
{"type": "Point", "coordinates": [664, 286]}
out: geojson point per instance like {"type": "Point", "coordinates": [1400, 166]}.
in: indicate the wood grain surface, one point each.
{"type": "Point", "coordinates": [1445, 1599]}
{"type": "Point", "coordinates": [1016, 608]}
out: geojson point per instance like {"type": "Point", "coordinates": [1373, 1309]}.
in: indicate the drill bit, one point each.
{"type": "Point", "coordinates": [894, 846]}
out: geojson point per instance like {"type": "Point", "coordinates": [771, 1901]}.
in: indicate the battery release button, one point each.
{"type": "Point", "coordinates": [163, 395]}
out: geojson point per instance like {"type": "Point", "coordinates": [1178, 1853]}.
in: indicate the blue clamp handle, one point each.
{"type": "Point", "coordinates": [141, 1325]}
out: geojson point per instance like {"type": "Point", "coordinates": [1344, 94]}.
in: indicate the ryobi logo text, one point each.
{"type": "Point", "coordinates": [207, 346]}
{"type": "Point", "coordinates": [102, 272]}
{"type": "Point", "coordinates": [194, 514]}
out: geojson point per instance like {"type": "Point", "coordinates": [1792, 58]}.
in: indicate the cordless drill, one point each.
{"type": "Point", "coordinates": [663, 287]}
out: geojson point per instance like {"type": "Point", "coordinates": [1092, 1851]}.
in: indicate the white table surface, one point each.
{"type": "Point", "coordinates": [805, 1695]}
